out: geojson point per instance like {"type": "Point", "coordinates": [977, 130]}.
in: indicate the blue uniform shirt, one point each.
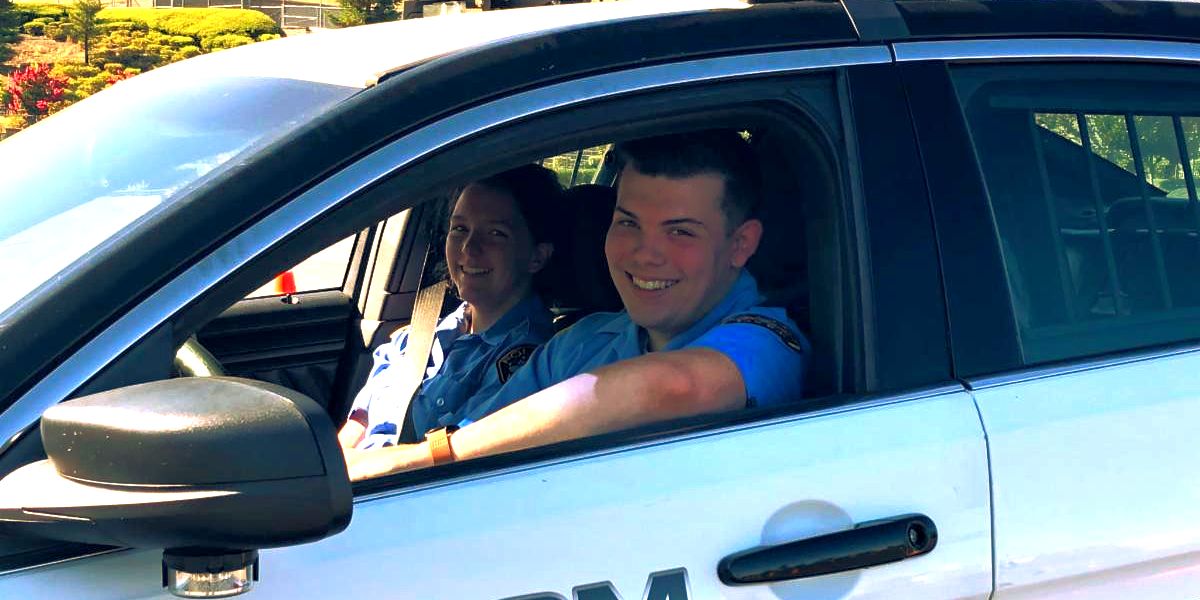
{"type": "Point", "coordinates": [767, 347]}
{"type": "Point", "coordinates": [464, 370]}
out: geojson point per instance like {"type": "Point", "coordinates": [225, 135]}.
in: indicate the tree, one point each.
{"type": "Point", "coordinates": [83, 26]}
{"type": "Point", "coordinates": [361, 12]}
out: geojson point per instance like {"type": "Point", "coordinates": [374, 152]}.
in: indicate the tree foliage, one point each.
{"type": "Point", "coordinates": [1111, 138]}
{"type": "Point", "coordinates": [83, 24]}
{"type": "Point", "coordinates": [361, 12]}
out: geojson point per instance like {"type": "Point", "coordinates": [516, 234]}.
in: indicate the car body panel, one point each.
{"type": "Point", "coordinates": [619, 515]}
{"type": "Point", "coordinates": [1092, 491]}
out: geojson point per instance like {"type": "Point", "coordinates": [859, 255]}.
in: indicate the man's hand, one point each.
{"type": "Point", "coordinates": [377, 462]}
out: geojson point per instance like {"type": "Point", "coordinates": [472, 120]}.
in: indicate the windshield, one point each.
{"type": "Point", "coordinates": [84, 175]}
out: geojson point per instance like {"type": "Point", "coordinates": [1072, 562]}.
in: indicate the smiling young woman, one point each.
{"type": "Point", "coordinates": [497, 243]}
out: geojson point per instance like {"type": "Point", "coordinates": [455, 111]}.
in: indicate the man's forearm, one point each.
{"type": "Point", "coordinates": [351, 434]}
{"type": "Point", "coordinates": [620, 396]}
{"type": "Point", "coordinates": [627, 394]}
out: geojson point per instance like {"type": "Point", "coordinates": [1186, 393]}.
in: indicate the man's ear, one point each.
{"type": "Point", "coordinates": [541, 255]}
{"type": "Point", "coordinates": [745, 242]}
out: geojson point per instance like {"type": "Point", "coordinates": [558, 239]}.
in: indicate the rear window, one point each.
{"type": "Point", "coordinates": [1090, 171]}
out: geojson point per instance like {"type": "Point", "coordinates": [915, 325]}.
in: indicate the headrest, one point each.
{"type": "Point", "coordinates": [584, 282]}
{"type": "Point", "coordinates": [781, 263]}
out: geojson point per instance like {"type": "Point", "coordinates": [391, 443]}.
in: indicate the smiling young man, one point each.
{"type": "Point", "coordinates": [693, 338]}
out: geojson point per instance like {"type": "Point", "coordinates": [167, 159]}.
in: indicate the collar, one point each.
{"type": "Point", "coordinates": [741, 296]}
{"type": "Point", "coordinates": [528, 310]}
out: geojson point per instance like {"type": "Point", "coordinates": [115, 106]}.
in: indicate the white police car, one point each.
{"type": "Point", "coordinates": [983, 214]}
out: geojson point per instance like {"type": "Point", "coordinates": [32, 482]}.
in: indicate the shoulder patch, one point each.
{"type": "Point", "coordinates": [514, 359]}
{"type": "Point", "coordinates": [779, 329]}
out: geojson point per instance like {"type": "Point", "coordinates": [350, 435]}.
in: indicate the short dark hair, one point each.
{"type": "Point", "coordinates": [717, 151]}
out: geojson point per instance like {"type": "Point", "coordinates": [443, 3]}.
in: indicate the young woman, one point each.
{"type": "Point", "coordinates": [499, 240]}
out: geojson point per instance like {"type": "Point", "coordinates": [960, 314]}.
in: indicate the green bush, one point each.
{"type": "Point", "coordinates": [180, 41]}
{"type": "Point", "coordinates": [34, 28]}
{"type": "Point", "coordinates": [82, 80]}
{"type": "Point", "coordinates": [141, 16]}
{"type": "Point", "coordinates": [109, 26]}
{"type": "Point", "coordinates": [30, 12]}
{"type": "Point", "coordinates": [206, 23]}
{"type": "Point", "coordinates": [198, 24]}
{"type": "Point", "coordinates": [266, 37]}
{"type": "Point", "coordinates": [186, 52]}
{"type": "Point", "coordinates": [225, 40]}
{"type": "Point", "coordinates": [74, 71]}
{"type": "Point", "coordinates": [57, 32]}
{"type": "Point", "coordinates": [134, 49]}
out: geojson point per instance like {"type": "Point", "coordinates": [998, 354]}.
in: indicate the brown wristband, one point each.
{"type": "Point", "coordinates": [439, 445]}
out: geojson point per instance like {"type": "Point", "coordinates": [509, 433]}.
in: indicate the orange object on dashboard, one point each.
{"type": "Point", "coordinates": [285, 283]}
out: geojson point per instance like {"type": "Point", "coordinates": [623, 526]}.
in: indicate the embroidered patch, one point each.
{"type": "Point", "coordinates": [779, 329]}
{"type": "Point", "coordinates": [512, 360]}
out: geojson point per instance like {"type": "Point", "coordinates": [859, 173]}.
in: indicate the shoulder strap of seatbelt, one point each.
{"type": "Point", "coordinates": [427, 310]}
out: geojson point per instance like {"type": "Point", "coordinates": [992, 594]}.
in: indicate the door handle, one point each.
{"type": "Point", "coordinates": [868, 544]}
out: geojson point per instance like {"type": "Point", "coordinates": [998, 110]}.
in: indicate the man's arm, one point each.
{"type": "Point", "coordinates": [638, 391]}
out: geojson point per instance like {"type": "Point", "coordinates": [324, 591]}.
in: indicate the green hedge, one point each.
{"type": "Point", "coordinates": [199, 24]}
{"type": "Point", "coordinates": [224, 41]}
{"type": "Point", "coordinates": [30, 12]}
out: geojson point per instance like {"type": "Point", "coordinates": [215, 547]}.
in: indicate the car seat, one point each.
{"type": "Point", "coordinates": [579, 281]}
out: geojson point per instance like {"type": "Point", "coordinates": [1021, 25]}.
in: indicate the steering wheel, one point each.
{"type": "Point", "coordinates": [194, 360]}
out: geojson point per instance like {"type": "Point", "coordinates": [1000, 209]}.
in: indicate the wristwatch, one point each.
{"type": "Point", "coordinates": [439, 444]}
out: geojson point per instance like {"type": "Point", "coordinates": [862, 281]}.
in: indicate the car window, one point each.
{"type": "Point", "coordinates": [130, 163]}
{"type": "Point", "coordinates": [1090, 175]}
{"type": "Point", "coordinates": [325, 270]}
{"type": "Point", "coordinates": [578, 166]}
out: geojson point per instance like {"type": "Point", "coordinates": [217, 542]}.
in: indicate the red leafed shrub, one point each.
{"type": "Point", "coordinates": [34, 92]}
{"type": "Point", "coordinates": [120, 74]}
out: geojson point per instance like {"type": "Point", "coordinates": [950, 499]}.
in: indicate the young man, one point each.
{"type": "Point", "coordinates": [692, 340]}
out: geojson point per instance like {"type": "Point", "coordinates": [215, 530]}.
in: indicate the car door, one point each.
{"type": "Point", "coordinates": [887, 456]}
{"type": "Point", "coordinates": [294, 330]}
{"type": "Point", "coordinates": [1065, 200]}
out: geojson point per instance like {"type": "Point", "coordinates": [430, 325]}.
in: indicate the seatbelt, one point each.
{"type": "Point", "coordinates": [427, 310]}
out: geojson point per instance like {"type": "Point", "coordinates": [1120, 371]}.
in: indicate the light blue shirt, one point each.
{"type": "Point", "coordinates": [464, 371]}
{"type": "Point", "coordinates": [763, 342]}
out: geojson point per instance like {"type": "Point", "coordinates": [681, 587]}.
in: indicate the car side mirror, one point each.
{"type": "Point", "coordinates": [209, 469]}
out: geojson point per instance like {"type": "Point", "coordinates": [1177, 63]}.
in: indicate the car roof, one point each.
{"type": "Point", "coordinates": [358, 56]}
